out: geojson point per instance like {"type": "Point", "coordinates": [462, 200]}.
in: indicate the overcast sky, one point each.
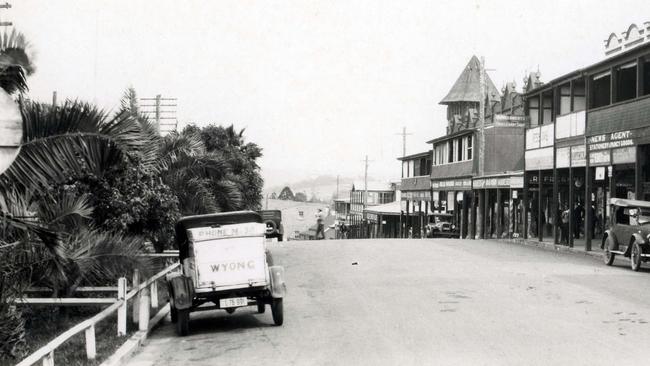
{"type": "Point", "coordinates": [318, 84]}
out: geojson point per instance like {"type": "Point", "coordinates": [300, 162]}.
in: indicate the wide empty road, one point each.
{"type": "Point", "coordinates": [433, 302]}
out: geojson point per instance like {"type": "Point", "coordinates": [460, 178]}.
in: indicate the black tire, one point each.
{"type": "Point", "coordinates": [183, 323]}
{"type": "Point", "coordinates": [230, 310]}
{"type": "Point", "coordinates": [279, 237]}
{"type": "Point", "coordinates": [608, 257]}
{"type": "Point", "coordinates": [277, 310]}
{"type": "Point", "coordinates": [173, 313]}
{"type": "Point", "coordinates": [635, 256]}
{"type": "Point", "coordinates": [261, 307]}
{"type": "Point", "coordinates": [269, 258]}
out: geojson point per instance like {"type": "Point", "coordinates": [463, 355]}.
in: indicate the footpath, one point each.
{"type": "Point", "coordinates": [578, 246]}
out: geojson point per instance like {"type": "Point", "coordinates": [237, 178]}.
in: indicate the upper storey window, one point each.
{"type": "Point", "coordinates": [626, 82]}
{"type": "Point", "coordinates": [533, 111]}
{"type": "Point", "coordinates": [601, 89]}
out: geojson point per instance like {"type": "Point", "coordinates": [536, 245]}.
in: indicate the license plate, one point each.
{"type": "Point", "coordinates": [271, 240]}
{"type": "Point", "coordinates": [233, 302]}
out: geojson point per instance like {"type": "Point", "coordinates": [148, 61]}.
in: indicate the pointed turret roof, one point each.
{"type": "Point", "coordinates": [468, 85]}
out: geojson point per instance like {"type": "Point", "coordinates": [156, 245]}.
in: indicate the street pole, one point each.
{"type": "Point", "coordinates": [6, 5]}
{"type": "Point", "coordinates": [403, 134]}
{"type": "Point", "coordinates": [481, 118]}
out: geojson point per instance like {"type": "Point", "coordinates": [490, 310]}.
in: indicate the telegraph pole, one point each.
{"type": "Point", "coordinates": [6, 5]}
{"type": "Point", "coordinates": [161, 111]}
{"type": "Point", "coordinates": [337, 186]}
{"type": "Point", "coordinates": [403, 134]}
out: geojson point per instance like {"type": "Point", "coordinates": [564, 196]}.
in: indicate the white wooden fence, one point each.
{"type": "Point", "coordinates": [144, 295]}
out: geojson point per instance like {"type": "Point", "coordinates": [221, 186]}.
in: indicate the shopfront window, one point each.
{"type": "Point", "coordinates": [601, 92]}
{"type": "Point", "coordinates": [626, 82]}
{"type": "Point", "coordinates": [533, 111]}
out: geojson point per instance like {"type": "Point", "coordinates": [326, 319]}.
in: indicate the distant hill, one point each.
{"type": "Point", "coordinates": [322, 186]}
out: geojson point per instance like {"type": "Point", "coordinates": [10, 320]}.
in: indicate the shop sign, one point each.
{"type": "Point", "coordinates": [624, 155]}
{"type": "Point", "coordinates": [578, 156]}
{"type": "Point", "coordinates": [371, 217]}
{"type": "Point", "coordinates": [502, 120]}
{"type": "Point", "coordinates": [532, 138]}
{"type": "Point", "coordinates": [452, 184]}
{"type": "Point", "coordinates": [402, 205]}
{"type": "Point", "coordinates": [599, 158]}
{"type": "Point", "coordinates": [539, 159]}
{"type": "Point", "coordinates": [514, 195]}
{"type": "Point", "coordinates": [499, 182]}
{"type": "Point", "coordinates": [416, 195]}
{"type": "Point", "coordinates": [611, 140]}
{"type": "Point", "coordinates": [436, 196]}
{"type": "Point", "coordinates": [563, 157]}
{"type": "Point", "coordinates": [517, 182]}
{"type": "Point", "coordinates": [570, 125]}
{"type": "Point", "coordinates": [546, 134]}
{"type": "Point", "coordinates": [600, 173]}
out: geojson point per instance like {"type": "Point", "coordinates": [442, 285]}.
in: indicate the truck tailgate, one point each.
{"type": "Point", "coordinates": [229, 262]}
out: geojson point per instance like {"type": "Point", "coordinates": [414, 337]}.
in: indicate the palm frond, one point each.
{"type": "Point", "coordinates": [12, 79]}
{"type": "Point", "coordinates": [56, 158]}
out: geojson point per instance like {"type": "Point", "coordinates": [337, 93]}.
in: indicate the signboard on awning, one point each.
{"type": "Point", "coordinates": [461, 184]}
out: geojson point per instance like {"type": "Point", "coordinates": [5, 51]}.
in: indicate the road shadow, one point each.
{"type": "Point", "coordinates": [218, 321]}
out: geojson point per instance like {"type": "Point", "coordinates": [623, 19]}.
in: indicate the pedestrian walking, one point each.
{"type": "Point", "coordinates": [320, 226]}
{"type": "Point", "coordinates": [565, 226]}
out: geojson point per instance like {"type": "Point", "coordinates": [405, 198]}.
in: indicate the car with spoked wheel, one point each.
{"type": "Point", "coordinates": [224, 265]}
{"type": "Point", "coordinates": [629, 232]}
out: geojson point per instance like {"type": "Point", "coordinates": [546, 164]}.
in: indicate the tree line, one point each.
{"type": "Point", "coordinates": [91, 189]}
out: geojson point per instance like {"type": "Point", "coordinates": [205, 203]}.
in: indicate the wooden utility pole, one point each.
{"type": "Point", "coordinates": [365, 191]}
{"type": "Point", "coordinates": [403, 134]}
{"type": "Point", "coordinates": [6, 5]}
{"type": "Point", "coordinates": [160, 110]}
{"type": "Point", "coordinates": [54, 98]}
{"type": "Point", "coordinates": [337, 187]}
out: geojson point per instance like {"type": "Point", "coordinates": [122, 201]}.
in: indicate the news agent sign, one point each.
{"type": "Point", "coordinates": [11, 130]}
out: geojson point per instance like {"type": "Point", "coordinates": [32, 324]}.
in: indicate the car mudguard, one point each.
{"type": "Point", "coordinates": [181, 291]}
{"type": "Point", "coordinates": [278, 287]}
{"type": "Point", "coordinates": [609, 233]}
{"type": "Point", "coordinates": [637, 239]}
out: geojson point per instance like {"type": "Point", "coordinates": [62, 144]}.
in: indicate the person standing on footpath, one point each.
{"type": "Point", "coordinates": [320, 227]}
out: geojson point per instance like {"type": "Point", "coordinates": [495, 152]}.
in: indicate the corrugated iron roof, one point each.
{"type": "Point", "coordinates": [468, 85]}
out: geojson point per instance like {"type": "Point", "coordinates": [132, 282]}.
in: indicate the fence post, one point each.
{"type": "Point", "coordinates": [91, 351]}
{"type": "Point", "coordinates": [121, 311]}
{"type": "Point", "coordinates": [154, 295]}
{"type": "Point", "coordinates": [48, 360]}
{"type": "Point", "coordinates": [136, 298]}
{"type": "Point", "coordinates": [143, 323]}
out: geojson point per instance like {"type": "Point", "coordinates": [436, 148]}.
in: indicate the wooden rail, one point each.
{"type": "Point", "coordinates": [142, 302]}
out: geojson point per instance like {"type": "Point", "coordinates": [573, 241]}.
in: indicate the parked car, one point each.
{"type": "Point", "coordinates": [273, 221]}
{"type": "Point", "coordinates": [629, 232]}
{"type": "Point", "coordinates": [442, 227]}
{"type": "Point", "coordinates": [224, 262]}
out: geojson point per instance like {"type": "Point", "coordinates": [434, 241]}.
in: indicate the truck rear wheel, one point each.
{"type": "Point", "coordinates": [277, 311]}
{"type": "Point", "coordinates": [173, 313]}
{"type": "Point", "coordinates": [183, 322]}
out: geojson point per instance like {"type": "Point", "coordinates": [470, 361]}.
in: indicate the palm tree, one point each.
{"type": "Point", "coordinates": [59, 141]}
{"type": "Point", "coordinates": [199, 178]}
{"type": "Point", "coordinates": [15, 63]}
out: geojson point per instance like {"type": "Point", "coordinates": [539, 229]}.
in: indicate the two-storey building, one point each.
{"type": "Point", "coordinates": [415, 197]}
{"type": "Point", "coordinates": [589, 140]}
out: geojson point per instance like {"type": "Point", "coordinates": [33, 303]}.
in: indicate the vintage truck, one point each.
{"type": "Point", "coordinates": [224, 262]}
